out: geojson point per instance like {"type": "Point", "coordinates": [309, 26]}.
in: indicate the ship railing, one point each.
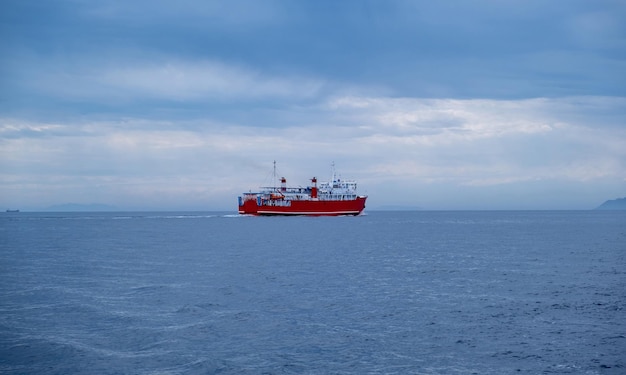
{"type": "Point", "coordinates": [277, 203]}
{"type": "Point", "coordinates": [290, 190]}
{"type": "Point", "coordinates": [337, 197]}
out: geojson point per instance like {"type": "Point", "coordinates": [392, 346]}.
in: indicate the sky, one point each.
{"type": "Point", "coordinates": [435, 105]}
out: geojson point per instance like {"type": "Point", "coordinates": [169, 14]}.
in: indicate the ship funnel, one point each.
{"type": "Point", "coordinates": [314, 188]}
{"type": "Point", "coordinates": [283, 184]}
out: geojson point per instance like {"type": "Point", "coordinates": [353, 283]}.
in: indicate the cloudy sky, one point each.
{"type": "Point", "coordinates": [151, 105]}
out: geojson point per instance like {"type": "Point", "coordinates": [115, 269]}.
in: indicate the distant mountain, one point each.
{"type": "Point", "coordinates": [396, 208]}
{"type": "Point", "coordinates": [615, 204]}
{"type": "Point", "coordinates": [73, 207]}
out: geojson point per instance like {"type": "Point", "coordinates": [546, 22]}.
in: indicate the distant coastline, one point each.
{"type": "Point", "coordinates": [77, 207]}
{"type": "Point", "coordinates": [613, 204]}
{"type": "Point", "coordinates": [396, 208]}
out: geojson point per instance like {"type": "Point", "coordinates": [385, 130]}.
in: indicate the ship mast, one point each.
{"type": "Point", "coordinates": [274, 176]}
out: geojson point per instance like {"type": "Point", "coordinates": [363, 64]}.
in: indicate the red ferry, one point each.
{"type": "Point", "coordinates": [334, 198]}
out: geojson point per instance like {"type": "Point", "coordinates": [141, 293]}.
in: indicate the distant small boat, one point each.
{"type": "Point", "coordinates": [13, 210]}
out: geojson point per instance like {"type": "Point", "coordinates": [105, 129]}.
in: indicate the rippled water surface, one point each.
{"type": "Point", "coordinates": [382, 293]}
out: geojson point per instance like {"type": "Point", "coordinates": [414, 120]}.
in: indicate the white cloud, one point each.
{"type": "Point", "coordinates": [175, 81]}
{"type": "Point", "coordinates": [430, 121]}
{"type": "Point", "coordinates": [206, 80]}
{"type": "Point", "coordinates": [386, 143]}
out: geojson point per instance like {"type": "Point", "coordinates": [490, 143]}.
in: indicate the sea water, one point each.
{"type": "Point", "coordinates": [382, 293]}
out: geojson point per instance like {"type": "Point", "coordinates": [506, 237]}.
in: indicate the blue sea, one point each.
{"type": "Point", "coordinates": [496, 292]}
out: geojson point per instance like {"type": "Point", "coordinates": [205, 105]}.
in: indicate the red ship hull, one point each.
{"type": "Point", "coordinates": [305, 207]}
